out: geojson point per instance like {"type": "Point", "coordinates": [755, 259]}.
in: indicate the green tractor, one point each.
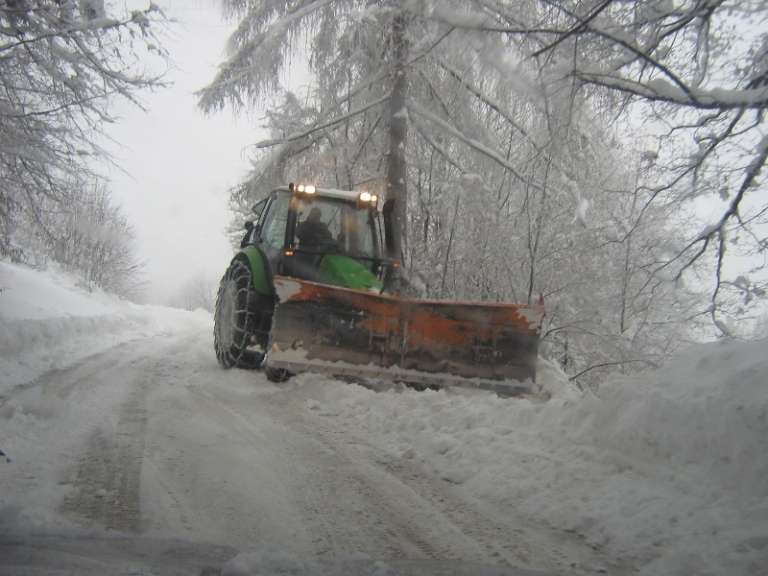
{"type": "Point", "coordinates": [307, 291]}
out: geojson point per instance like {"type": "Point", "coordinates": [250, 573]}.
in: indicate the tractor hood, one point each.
{"type": "Point", "coordinates": [344, 271]}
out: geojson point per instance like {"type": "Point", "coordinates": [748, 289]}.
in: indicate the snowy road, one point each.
{"type": "Point", "coordinates": [153, 438]}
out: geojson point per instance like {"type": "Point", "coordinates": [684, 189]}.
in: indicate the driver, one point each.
{"type": "Point", "coordinates": [313, 231]}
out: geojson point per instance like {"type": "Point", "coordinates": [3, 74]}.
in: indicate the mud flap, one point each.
{"type": "Point", "coordinates": [323, 328]}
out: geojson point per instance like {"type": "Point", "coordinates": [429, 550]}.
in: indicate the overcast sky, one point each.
{"type": "Point", "coordinates": [177, 164]}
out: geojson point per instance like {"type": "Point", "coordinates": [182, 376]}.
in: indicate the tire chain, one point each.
{"type": "Point", "coordinates": [245, 304]}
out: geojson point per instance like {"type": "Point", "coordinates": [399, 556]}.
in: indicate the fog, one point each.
{"type": "Point", "coordinates": [174, 164]}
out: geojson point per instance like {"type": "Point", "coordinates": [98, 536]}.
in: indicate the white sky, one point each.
{"type": "Point", "coordinates": [179, 162]}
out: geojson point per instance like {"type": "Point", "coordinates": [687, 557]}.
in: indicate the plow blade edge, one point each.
{"type": "Point", "coordinates": [322, 328]}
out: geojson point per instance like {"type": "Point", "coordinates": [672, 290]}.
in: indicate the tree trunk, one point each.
{"type": "Point", "coordinates": [397, 193]}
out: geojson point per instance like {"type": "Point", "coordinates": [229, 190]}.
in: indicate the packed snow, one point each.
{"type": "Point", "coordinates": [662, 473]}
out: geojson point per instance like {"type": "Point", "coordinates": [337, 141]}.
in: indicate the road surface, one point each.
{"type": "Point", "coordinates": [152, 438]}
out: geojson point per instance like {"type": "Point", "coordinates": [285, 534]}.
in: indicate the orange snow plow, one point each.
{"type": "Point", "coordinates": [343, 332]}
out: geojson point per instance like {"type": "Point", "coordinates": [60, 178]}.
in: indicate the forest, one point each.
{"type": "Point", "coordinates": [605, 155]}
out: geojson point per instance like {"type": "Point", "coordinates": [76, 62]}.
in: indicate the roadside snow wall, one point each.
{"type": "Point", "coordinates": [48, 322]}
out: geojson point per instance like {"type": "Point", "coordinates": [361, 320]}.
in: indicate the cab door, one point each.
{"type": "Point", "coordinates": [271, 232]}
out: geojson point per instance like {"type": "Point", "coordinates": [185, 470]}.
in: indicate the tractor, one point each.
{"type": "Point", "coordinates": [311, 290]}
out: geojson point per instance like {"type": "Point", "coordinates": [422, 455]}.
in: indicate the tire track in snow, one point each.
{"type": "Point", "coordinates": [517, 542]}
{"type": "Point", "coordinates": [344, 510]}
{"type": "Point", "coordinates": [359, 505]}
{"type": "Point", "coordinates": [106, 483]}
{"type": "Point", "coordinates": [474, 534]}
{"type": "Point", "coordinates": [106, 486]}
{"type": "Point", "coordinates": [349, 513]}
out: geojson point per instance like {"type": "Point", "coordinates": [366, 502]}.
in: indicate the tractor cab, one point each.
{"type": "Point", "coordinates": [322, 235]}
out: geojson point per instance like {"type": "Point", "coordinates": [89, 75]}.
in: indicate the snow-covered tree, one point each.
{"type": "Point", "coordinates": [61, 62]}
{"type": "Point", "coordinates": [375, 64]}
{"type": "Point", "coordinates": [518, 180]}
{"type": "Point", "coordinates": [696, 73]}
{"type": "Point", "coordinates": [89, 237]}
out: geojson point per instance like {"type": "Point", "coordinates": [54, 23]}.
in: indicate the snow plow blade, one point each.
{"type": "Point", "coordinates": [342, 332]}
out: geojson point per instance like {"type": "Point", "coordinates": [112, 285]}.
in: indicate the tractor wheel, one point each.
{"type": "Point", "coordinates": [237, 319]}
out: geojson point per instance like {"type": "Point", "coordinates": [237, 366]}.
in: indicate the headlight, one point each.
{"type": "Point", "coordinates": [365, 196]}
{"type": "Point", "coordinates": [305, 189]}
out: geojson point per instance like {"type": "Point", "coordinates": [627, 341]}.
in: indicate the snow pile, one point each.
{"type": "Point", "coordinates": [47, 322]}
{"type": "Point", "coordinates": [667, 471]}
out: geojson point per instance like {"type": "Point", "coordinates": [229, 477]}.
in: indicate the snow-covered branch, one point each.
{"type": "Point", "coordinates": [659, 90]}
{"type": "Point", "coordinates": [322, 126]}
{"type": "Point", "coordinates": [483, 149]}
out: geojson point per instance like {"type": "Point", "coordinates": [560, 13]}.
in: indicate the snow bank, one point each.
{"type": "Point", "coordinates": [667, 471]}
{"type": "Point", "coordinates": [708, 409]}
{"type": "Point", "coordinates": [47, 322]}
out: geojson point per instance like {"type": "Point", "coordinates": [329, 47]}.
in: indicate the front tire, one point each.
{"type": "Point", "coordinates": [236, 319]}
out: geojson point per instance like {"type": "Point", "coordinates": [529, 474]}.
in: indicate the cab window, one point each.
{"type": "Point", "coordinates": [273, 227]}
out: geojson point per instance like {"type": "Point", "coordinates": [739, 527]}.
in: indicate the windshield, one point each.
{"type": "Point", "coordinates": [329, 225]}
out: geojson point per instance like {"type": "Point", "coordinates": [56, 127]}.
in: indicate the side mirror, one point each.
{"type": "Point", "coordinates": [249, 226]}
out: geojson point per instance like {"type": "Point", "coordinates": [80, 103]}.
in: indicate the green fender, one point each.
{"type": "Point", "coordinates": [260, 272]}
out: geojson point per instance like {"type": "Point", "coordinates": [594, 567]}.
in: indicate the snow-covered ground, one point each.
{"type": "Point", "coordinates": [668, 470]}
{"type": "Point", "coordinates": [116, 416]}
{"type": "Point", "coordinates": [48, 322]}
